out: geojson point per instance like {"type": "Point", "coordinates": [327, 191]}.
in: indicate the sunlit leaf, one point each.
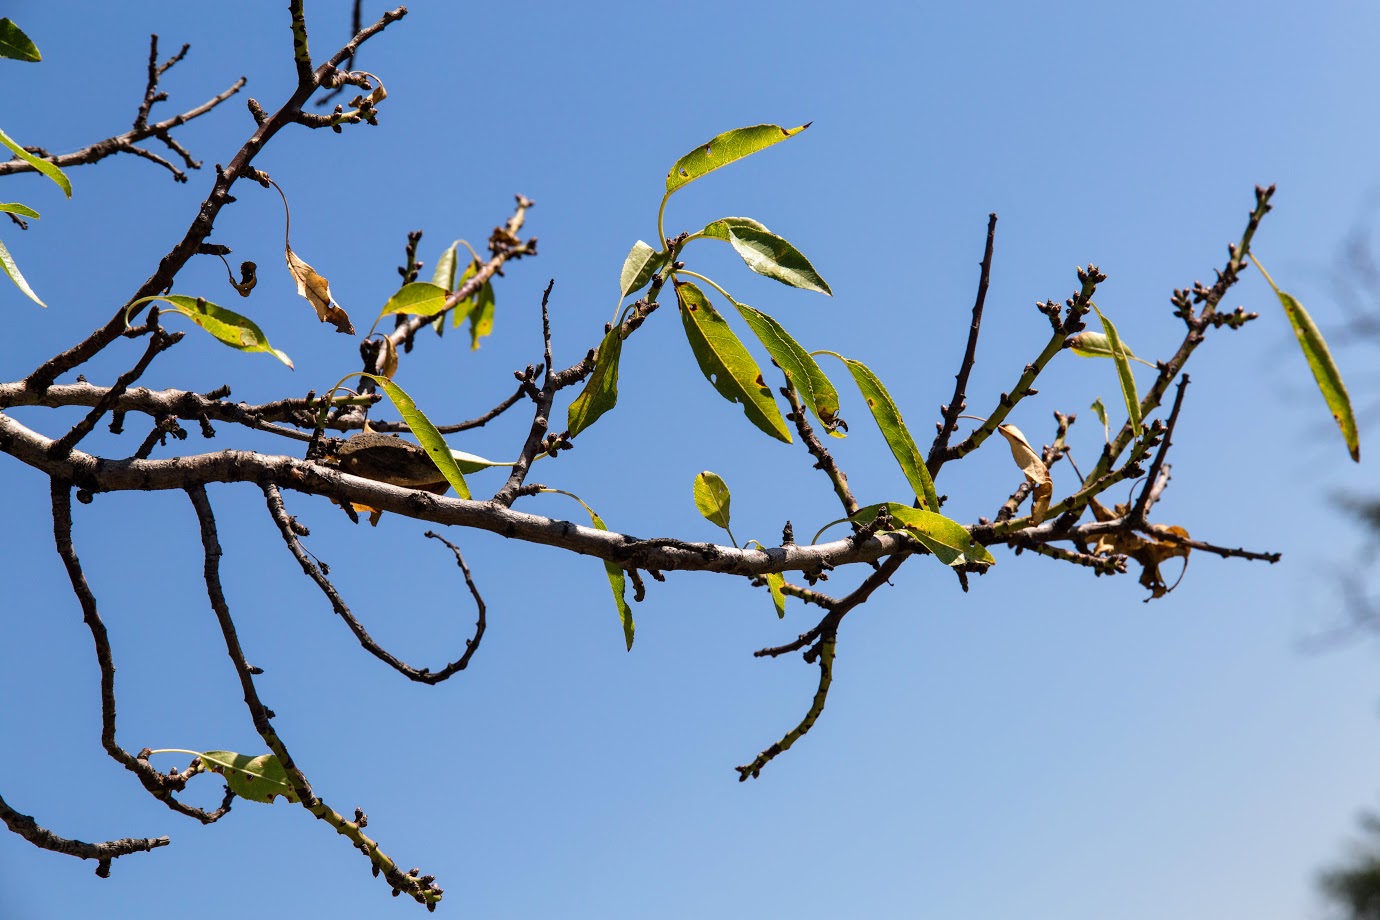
{"type": "Point", "coordinates": [390, 358]}
{"type": "Point", "coordinates": [472, 463]}
{"type": "Point", "coordinates": [226, 326]}
{"type": "Point", "coordinates": [768, 254]}
{"type": "Point", "coordinates": [800, 368]}
{"type": "Point", "coordinates": [15, 45]}
{"type": "Point", "coordinates": [1033, 466]}
{"type": "Point", "coordinates": [778, 599]}
{"type": "Point", "coordinates": [642, 262]}
{"type": "Point", "coordinates": [257, 779]}
{"type": "Point", "coordinates": [724, 149]}
{"type": "Point", "coordinates": [416, 299]}
{"type": "Point", "coordinates": [444, 275]}
{"type": "Point", "coordinates": [317, 291]}
{"type": "Point", "coordinates": [712, 498]}
{"type": "Point", "coordinates": [1123, 372]}
{"type": "Point", "coordinates": [482, 315]}
{"type": "Point", "coordinates": [38, 163]}
{"type": "Point", "coordinates": [894, 430]}
{"type": "Point", "coordinates": [719, 228]}
{"type": "Point", "coordinates": [426, 433]}
{"type": "Point", "coordinates": [7, 263]}
{"type": "Point", "coordinates": [1324, 370]}
{"type": "Point", "coordinates": [1089, 344]}
{"type": "Point", "coordinates": [14, 207]}
{"type": "Point", "coordinates": [945, 537]}
{"type": "Point", "coordinates": [463, 308]}
{"type": "Point", "coordinates": [601, 389]}
{"type": "Point", "coordinates": [726, 363]}
{"type": "Point", "coordinates": [618, 579]}
{"type": "Point", "coordinates": [1101, 412]}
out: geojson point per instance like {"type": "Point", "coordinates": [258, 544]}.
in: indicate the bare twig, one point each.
{"type": "Point", "coordinates": [28, 828]}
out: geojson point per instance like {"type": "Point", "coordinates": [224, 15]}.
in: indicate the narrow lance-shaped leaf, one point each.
{"type": "Point", "coordinates": [482, 315]}
{"type": "Point", "coordinates": [726, 363]}
{"type": "Point", "coordinates": [227, 326]}
{"type": "Point", "coordinates": [778, 598]}
{"type": "Point", "coordinates": [800, 368]}
{"type": "Point", "coordinates": [945, 537]}
{"type": "Point", "coordinates": [1101, 412]}
{"type": "Point", "coordinates": [463, 308]}
{"type": "Point", "coordinates": [618, 579]}
{"type": "Point", "coordinates": [444, 275]}
{"type": "Point", "coordinates": [724, 149]}
{"type": "Point", "coordinates": [768, 254]}
{"type": "Point", "coordinates": [1320, 362]}
{"type": "Point", "coordinates": [426, 433]}
{"type": "Point", "coordinates": [257, 779]}
{"type": "Point", "coordinates": [11, 269]}
{"type": "Point", "coordinates": [38, 163]}
{"type": "Point", "coordinates": [642, 262]}
{"type": "Point", "coordinates": [1123, 372]}
{"type": "Point", "coordinates": [712, 498]}
{"type": "Point", "coordinates": [15, 45]}
{"type": "Point", "coordinates": [601, 389]}
{"type": "Point", "coordinates": [1033, 466]}
{"type": "Point", "coordinates": [416, 299]}
{"type": "Point", "coordinates": [894, 430]}
{"type": "Point", "coordinates": [473, 463]}
{"type": "Point", "coordinates": [23, 210]}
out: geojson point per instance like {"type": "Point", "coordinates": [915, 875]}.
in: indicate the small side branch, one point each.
{"type": "Point", "coordinates": [26, 827]}
{"type": "Point", "coordinates": [825, 650]}
{"type": "Point", "coordinates": [823, 459]}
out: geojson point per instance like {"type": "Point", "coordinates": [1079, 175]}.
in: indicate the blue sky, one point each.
{"type": "Point", "coordinates": [1046, 745]}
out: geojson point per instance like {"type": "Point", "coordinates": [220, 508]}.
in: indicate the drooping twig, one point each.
{"type": "Point", "coordinates": [423, 890]}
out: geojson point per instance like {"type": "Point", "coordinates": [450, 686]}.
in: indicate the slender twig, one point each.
{"type": "Point", "coordinates": [536, 435]}
{"type": "Point", "coordinates": [159, 342]}
{"type": "Point", "coordinates": [958, 403]}
{"type": "Point", "coordinates": [1142, 502]}
{"type": "Point", "coordinates": [348, 62]}
{"type": "Point", "coordinates": [423, 890]}
{"type": "Point", "coordinates": [26, 827]}
{"type": "Point", "coordinates": [823, 459]}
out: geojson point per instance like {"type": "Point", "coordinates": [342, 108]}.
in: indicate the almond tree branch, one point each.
{"type": "Point", "coordinates": [26, 827]}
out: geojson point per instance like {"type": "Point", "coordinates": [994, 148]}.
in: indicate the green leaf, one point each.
{"type": "Point", "coordinates": [38, 163]}
{"type": "Point", "coordinates": [945, 537]}
{"type": "Point", "coordinates": [257, 779]}
{"type": "Point", "coordinates": [719, 228]}
{"type": "Point", "coordinates": [227, 326]}
{"type": "Point", "coordinates": [778, 599]}
{"type": "Point", "coordinates": [425, 433]}
{"type": "Point", "coordinates": [14, 207]}
{"type": "Point", "coordinates": [712, 498]}
{"type": "Point", "coordinates": [642, 262]}
{"type": "Point", "coordinates": [7, 263]}
{"type": "Point", "coordinates": [1123, 372]}
{"type": "Point", "coordinates": [1101, 412]}
{"type": "Point", "coordinates": [799, 367]}
{"type": "Point", "coordinates": [724, 149]}
{"type": "Point", "coordinates": [618, 579]}
{"type": "Point", "coordinates": [417, 299]}
{"type": "Point", "coordinates": [482, 315]}
{"type": "Point", "coordinates": [768, 254]}
{"type": "Point", "coordinates": [894, 430]}
{"type": "Point", "coordinates": [472, 463]}
{"type": "Point", "coordinates": [444, 276]}
{"type": "Point", "coordinates": [1091, 344]}
{"type": "Point", "coordinates": [726, 363]}
{"type": "Point", "coordinates": [463, 308]}
{"type": "Point", "coordinates": [1324, 370]}
{"type": "Point", "coordinates": [15, 45]}
{"type": "Point", "coordinates": [601, 390]}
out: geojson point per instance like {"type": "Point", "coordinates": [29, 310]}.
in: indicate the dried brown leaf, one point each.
{"type": "Point", "coordinates": [317, 290]}
{"type": "Point", "coordinates": [1036, 473]}
{"type": "Point", "coordinates": [390, 358]}
{"type": "Point", "coordinates": [1150, 551]}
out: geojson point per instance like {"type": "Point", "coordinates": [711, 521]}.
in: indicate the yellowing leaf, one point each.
{"type": "Point", "coordinates": [726, 364]}
{"type": "Point", "coordinates": [317, 290]}
{"type": "Point", "coordinates": [601, 389]}
{"type": "Point", "coordinates": [226, 326]}
{"type": "Point", "coordinates": [1123, 372]}
{"type": "Point", "coordinates": [815, 389]}
{"type": "Point", "coordinates": [1089, 344]}
{"type": "Point", "coordinates": [416, 299]}
{"type": "Point", "coordinates": [258, 779]}
{"type": "Point", "coordinates": [11, 269]}
{"type": "Point", "coordinates": [724, 149]}
{"type": "Point", "coordinates": [778, 598]}
{"type": "Point", "coordinates": [945, 537]}
{"type": "Point", "coordinates": [426, 433]}
{"type": "Point", "coordinates": [1036, 473]}
{"type": "Point", "coordinates": [893, 428]}
{"type": "Point", "coordinates": [38, 163]}
{"type": "Point", "coordinates": [390, 358]}
{"type": "Point", "coordinates": [712, 498]}
{"type": "Point", "coordinates": [482, 315]}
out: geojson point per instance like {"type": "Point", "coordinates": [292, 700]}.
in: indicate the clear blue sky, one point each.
{"type": "Point", "coordinates": [1044, 746]}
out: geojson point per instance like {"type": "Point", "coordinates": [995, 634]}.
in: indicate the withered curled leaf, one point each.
{"type": "Point", "coordinates": [1149, 551]}
{"type": "Point", "coordinates": [390, 358]}
{"type": "Point", "coordinates": [317, 290]}
{"type": "Point", "coordinates": [1036, 473]}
